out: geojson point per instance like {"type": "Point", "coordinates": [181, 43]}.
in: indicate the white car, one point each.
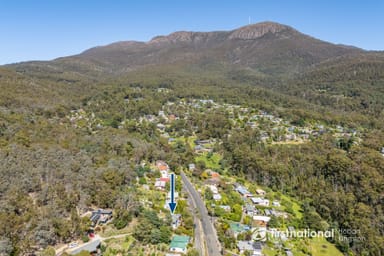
{"type": "Point", "coordinates": [73, 245]}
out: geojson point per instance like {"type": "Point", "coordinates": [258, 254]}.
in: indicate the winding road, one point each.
{"type": "Point", "coordinates": [212, 245]}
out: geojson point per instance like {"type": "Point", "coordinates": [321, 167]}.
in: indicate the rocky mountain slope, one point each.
{"type": "Point", "coordinates": [269, 48]}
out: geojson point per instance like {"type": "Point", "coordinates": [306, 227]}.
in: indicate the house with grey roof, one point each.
{"type": "Point", "coordinates": [255, 248]}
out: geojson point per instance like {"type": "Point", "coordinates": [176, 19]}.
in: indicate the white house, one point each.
{"type": "Point", "coordinates": [213, 189]}
{"type": "Point", "coordinates": [260, 201]}
{"type": "Point", "coordinates": [261, 218]}
{"type": "Point", "coordinates": [191, 167]}
{"type": "Point", "coordinates": [217, 197]}
{"type": "Point", "coordinates": [261, 221]}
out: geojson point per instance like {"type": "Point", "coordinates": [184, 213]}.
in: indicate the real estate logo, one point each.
{"type": "Point", "coordinates": [347, 235]}
{"type": "Point", "coordinates": [259, 234]}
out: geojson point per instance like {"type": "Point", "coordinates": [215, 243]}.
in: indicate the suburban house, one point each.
{"type": "Point", "coordinates": [261, 221]}
{"type": "Point", "coordinates": [226, 208]}
{"type": "Point", "coordinates": [213, 189]}
{"type": "Point", "coordinates": [162, 166]}
{"type": "Point", "coordinates": [254, 247]}
{"type": "Point", "coordinates": [160, 184]}
{"type": "Point", "coordinates": [165, 179]}
{"type": "Point", "coordinates": [202, 146]}
{"type": "Point", "coordinates": [260, 201]}
{"type": "Point", "coordinates": [212, 174]}
{"type": "Point", "coordinates": [172, 118]}
{"type": "Point", "coordinates": [213, 181]}
{"type": "Point", "coordinates": [191, 167]}
{"type": "Point", "coordinates": [217, 197]}
{"type": "Point", "coordinates": [203, 142]}
{"type": "Point", "coordinates": [179, 244]}
{"type": "Point", "coordinates": [176, 220]}
{"type": "Point", "coordinates": [199, 149]}
{"type": "Point", "coordinates": [243, 191]}
{"type": "Point", "coordinates": [161, 114]}
{"type": "Point", "coordinates": [215, 192]}
{"type": "Point", "coordinates": [276, 203]}
{"type": "Point", "coordinates": [101, 216]}
{"type": "Point", "coordinates": [161, 127]}
{"type": "Point", "coordinates": [261, 192]}
{"type": "Point", "coordinates": [250, 209]}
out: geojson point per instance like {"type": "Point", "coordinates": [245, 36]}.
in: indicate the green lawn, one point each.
{"type": "Point", "coordinates": [210, 162]}
{"type": "Point", "coordinates": [320, 246]}
{"type": "Point", "coordinates": [315, 246]}
{"type": "Point", "coordinates": [191, 141]}
{"type": "Point", "coordinates": [118, 246]}
{"type": "Point", "coordinates": [110, 230]}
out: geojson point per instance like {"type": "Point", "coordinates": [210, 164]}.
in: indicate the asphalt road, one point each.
{"type": "Point", "coordinates": [210, 237]}
{"type": "Point", "coordinates": [198, 231]}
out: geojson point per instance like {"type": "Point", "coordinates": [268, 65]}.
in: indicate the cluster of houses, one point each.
{"type": "Point", "coordinates": [272, 129]}
{"type": "Point", "coordinates": [163, 168]}
{"type": "Point", "coordinates": [178, 243]}
{"type": "Point", "coordinates": [260, 209]}
{"type": "Point", "coordinates": [215, 192]}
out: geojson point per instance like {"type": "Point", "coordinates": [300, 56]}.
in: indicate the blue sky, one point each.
{"type": "Point", "coordinates": [46, 29]}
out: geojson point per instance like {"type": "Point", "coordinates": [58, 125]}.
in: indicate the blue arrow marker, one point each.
{"type": "Point", "coordinates": [172, 204]}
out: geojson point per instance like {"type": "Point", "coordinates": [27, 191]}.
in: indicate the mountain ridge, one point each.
{"type": "Point", "coordinates": [266, 47]}
{"type": "Point", "coordinates": [269, 49]}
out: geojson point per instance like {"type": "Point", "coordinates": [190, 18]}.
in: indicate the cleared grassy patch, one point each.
{"type": "Point", "coordinates": [320, 246]}
{"type": "Point", "coordinates": [211, 160]}
{"type": "Point", "coordinates": [110, 230]}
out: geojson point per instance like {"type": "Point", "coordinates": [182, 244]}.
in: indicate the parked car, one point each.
{"type": "Point", "coordinates": [73, 245]}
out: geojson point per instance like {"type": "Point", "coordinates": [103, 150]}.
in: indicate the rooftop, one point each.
{"type": "Point", "coordinates": [179, 242]}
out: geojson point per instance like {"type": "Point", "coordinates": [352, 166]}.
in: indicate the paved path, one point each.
{"type": "Point", "coordinates": [210, 236]}
{"type": "Point", "coordinates": [94, 241]}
